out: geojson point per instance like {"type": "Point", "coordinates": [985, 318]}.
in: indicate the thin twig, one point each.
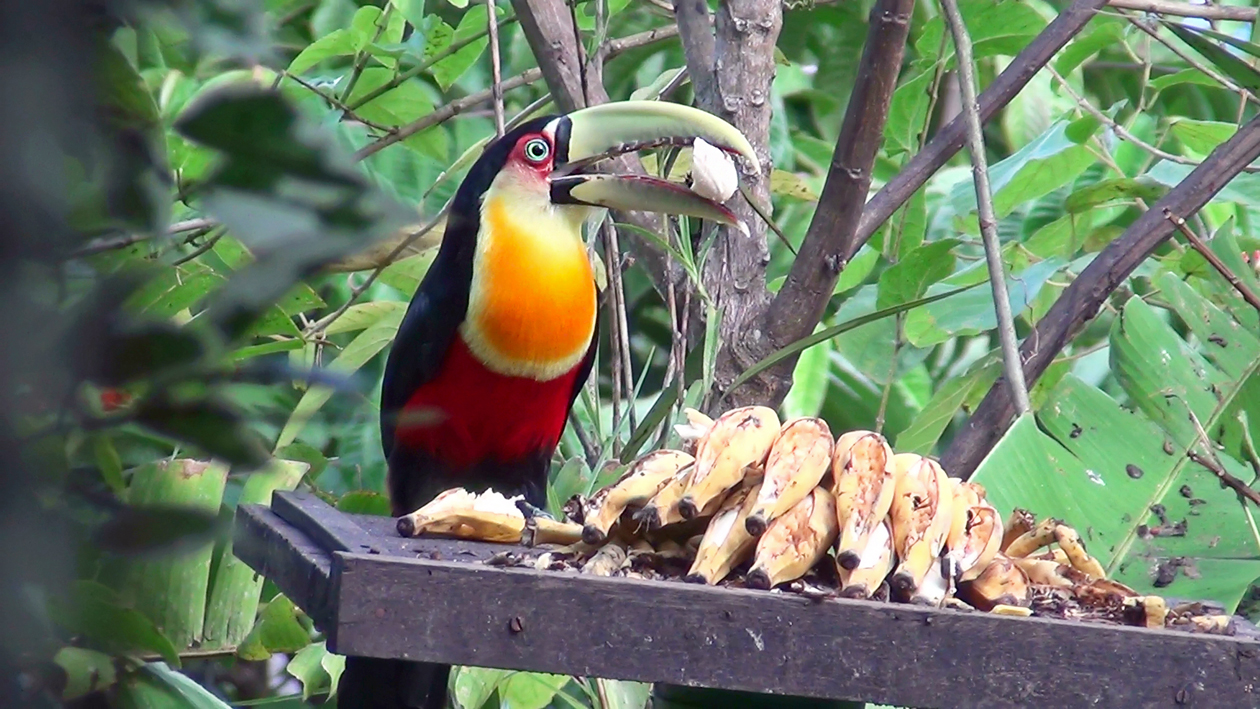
{"type": "Point", "coordinates": [1211, 257]}
{"type": "Point", "coordinates": [588, 446]}
{"type": "Point", "coordinates": [361, 57]}
{"type": "Point", "coordinates": [1228, 480]}
{"type": "Point", "coordinates": [425, 65]}
{"type": "Point", "coordinates": [984, 207]}
{"type": "Point", "coordinates": [1216, 76]}
{"type": "Point", "coordinates": [621, 321]}
{"type": "Point", "coordinates": [211, 240]}
{"type": "Point", "coordinates": [1185, 9]}
{"type": "Point", "coordinates": [319, 325]}
{"type": "Point", "coordinates": [496, 70]}
{"type": "Point", "coordinates": [122, 242]}
{"type": "Point", "coordinates": [336, 103]}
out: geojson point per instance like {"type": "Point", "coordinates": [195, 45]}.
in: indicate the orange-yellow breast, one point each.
{"type": "Point", "coordinates": [532, 301]}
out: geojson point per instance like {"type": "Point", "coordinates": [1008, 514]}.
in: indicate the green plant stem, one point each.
{"type": "Point", "coordinates": [984, 207]}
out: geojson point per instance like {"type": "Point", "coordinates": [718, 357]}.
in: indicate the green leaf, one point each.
{"type": "Point", "coordinates": [364, 502]}
{"type": "Point", "coordinates": [406, 274]}
{"type": "Point", "coordinates": [108, 462]}
{"type": "Point", "coordinates": [1100, 193]}
{"type": "Point", "coordinates": [835, 331]}
{"type": "Point", "coordinates": [973, 313]}
{"type": "Point", "coordinates": [530, 690]}
{"type": "Point", "coordinates": [403, 104]}
{"type": "Point", "coordinates": [1185, 76]}
{"type": "Point", "coordinates": [86, 671]}
{"type": "Point", "coordinates": [475, 685]}
{"type": "Point", "coordinates": [809, 381]}
{"type": "Point", "coordinates": [361, 316]}
{"type": "Point", "coordinates": [209, 424]}
{"type": "Point", "coordinates": [234, 594]}
{"type": "Point", "coordinates": [1044, 165]}
{"type": "Point", "coordinates": [94, 612]}
{"type": "Point", "coordinates": [909, 278]}
{"type": "Point", "coordinates": [1088, 447]}
{"type": "Point", "coordinates": [308, 667]}
{"type": "Point", "coordinates": [450, 69]}
{"type": "Point", "coordinates": [278, 630]}
{"type": "Point", "coordinates": [926, 429]}
{"type": "Point", "coordinates": [622, 694]}
{"type": "Point", "coordinates": [1248, 47]}
{"type": "Point", "coordinates": [362, 348]}
{"type": "Point", "coordinates": [157, 686]}
{"type": "Point", "coordinates": [790, 185]}
{"type": "Point", "coordinates": [995, 28]}
{"type": "Point", "coordinates": [1080, 130]}
{"type": "Point", "coordinates": [151, 529]}
{"type": "Point", "coordinates": [908, 112]}
{"type": "Point", "coordinates": [856, 271]}
{"type": "Point", "coordinates": [572, 478]}
{"type": "Point", "coordinates": [1106, 33]}
{"type": "Point", "coordinates": [1235, 68]}
{"type": "Point", "coordinates": [338, 43]}
{"type": "Point", "coordinates": [1201, 136]}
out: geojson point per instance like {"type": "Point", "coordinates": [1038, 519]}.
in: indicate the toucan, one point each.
{"type": "Point", "coordinates": [500, 335]}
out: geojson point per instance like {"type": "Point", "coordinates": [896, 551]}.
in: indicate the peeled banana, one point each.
{"type": "Point", "coordinates": [726, 542]}
{"type": "Point", "coordinates": [864, 488]}
{"type": "Point", "coordinates": [921, 518]}
{"type": "Point", "coordinates": [1034, 539]}
{"type": "Point", "coordinates": [739, 440]}
{"type": "Point", "coordinates": [1070, 542]}
{"type": "Point", "coordinates": [459, 513]}
{"type": "Point", "coordinates": [1001, 583]}
{"type": "Point", "coordinates": [662, 508]}
{"type": "Point", "coordinates": [640, 483]}
{"type": "Point", "coordinates": [794, 541]}
{"type": "Point", "coordinates": [797, 462]}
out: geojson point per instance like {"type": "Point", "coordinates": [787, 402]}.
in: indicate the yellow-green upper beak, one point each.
{"type": "Point", "coordinates": [589, 135]}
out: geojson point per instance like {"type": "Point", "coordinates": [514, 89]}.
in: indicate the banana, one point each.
{"type": "Point", "coordinates": [1015, 611]}
{"type": "Point", "coordinates": [1151, 611]}
{"type": "Point", "coordinates": [1020, 522]}
{"type": "Point", "coordinates": [662, 508]}
{"type": "Point", "coordinates": [1002, 582]}
{"type": "Point", "coordinates": [645, 477]}
{"type": "Point", "coordinates": [874, 564]}
{"type": "Point", "coordinates": [797, 462]}
{"type": "Point", "coordinates": [488, 517]}
{"type": "Point", "coordinates": [1034, 539]}
{"type": "Point", "coordinates": [864, 488]}
{"type": "Point", "coordinates": [607, 561]}
{"type": "Point", "coordinates": [739, 440]}
{"type": "Point", "coordinates": [691, 432]}
{"type": "Point", "coordinates": [921, 516]}
{"type": "Point", "coordinates": [795, 540]}
{"type": "Point", "coordinates": [544, 530]}
{"type": "Point", "coordinates": [1070, 542]}
{"type": "Point", "coordinates": [974, 535]}
{"type": "Point", "coordinates": [936, 585]}
{"type": "Point", "coordinates": [726, 542]}
{"type": "Point", "coordinates": [1041, 572]}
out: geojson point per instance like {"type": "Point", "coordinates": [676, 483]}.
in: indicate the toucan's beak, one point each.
{"type": "Point", "coordinates": [589, 135]}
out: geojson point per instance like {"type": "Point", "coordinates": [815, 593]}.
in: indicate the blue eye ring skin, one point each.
{"type": "Point", "coordinates": [536, 150]}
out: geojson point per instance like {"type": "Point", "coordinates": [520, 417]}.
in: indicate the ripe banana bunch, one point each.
{"type": "Point", "coordinates": [745, 491]}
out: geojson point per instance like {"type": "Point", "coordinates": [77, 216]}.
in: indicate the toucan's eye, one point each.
{"type": "Point", "coordinates": [537, 150]}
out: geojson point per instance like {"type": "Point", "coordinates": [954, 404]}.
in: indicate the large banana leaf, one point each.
{"type": "Point", "coordinates": [1123, 475]}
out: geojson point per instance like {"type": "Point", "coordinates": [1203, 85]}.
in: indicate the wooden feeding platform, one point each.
{"type": "Point", "coordinates": [376, 594]}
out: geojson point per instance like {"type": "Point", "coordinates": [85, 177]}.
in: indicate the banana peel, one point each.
{"type": "Point", "coordinates": [797, 462]}
{"type": "Point", "coordinates": [488, 517]}
{"type": "Point", "coordinates": [974, 535]}
{"type": "Point", "coordinates": [864, 488]}
{"type": "Point", "coordinates": [795, 541]}
{"type": "Point", "coordinates": [1002, 582]}
{"type": "Point", "coordinates": [739, 441]}
{"type": "Point", "coordinates": [874, 564]}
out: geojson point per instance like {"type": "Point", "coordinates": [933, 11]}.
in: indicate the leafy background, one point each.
{"type": "Point", "coordinates": [224, 209]}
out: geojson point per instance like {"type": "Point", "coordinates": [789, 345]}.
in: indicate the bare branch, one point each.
{"type": "Point", "coordinates": [949, 140]}
{"type": "Point", "coordinates": [1216, 76]}
{"type": "Point", "coordinates": [800, 302]}
{"type": "Point", "coordinates": [1247, 294]}
{"type": "Point", "coordinates": [550, 32]}
{"type": "Point", "coordinates": [496, 69]}
{"type": "Point", "coordinates": [984, 206]}
{"type": "Point", "coordinates": [1185, 9]}
{"type": "Point", "coordinates": [122, 242]}
{"type": "Point", "coordinates": [1080, 301]}
{"type": "Point", "coordinates": [695, 28]}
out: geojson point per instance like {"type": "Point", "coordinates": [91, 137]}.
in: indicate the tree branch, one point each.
{"type": "Point", "coordinates": [695, 28]}
{"type": "Point", "coordinates": [1208, 255]}
{"type": "Point", "coordinates": [949, 140]}
{"type": "Point", "coordinates": [800, 302]}
{"type": "Point", "coordinates": [1185, 9]}
{"type": "Point", "coordinates": [1081, 300]}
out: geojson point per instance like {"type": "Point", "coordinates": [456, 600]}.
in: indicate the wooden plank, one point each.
{"type": "Point", "coordinates": [329, 527]}
{"type": "Point", "coordinates": [693, 635]}
{"type": "Point", "coordinates": [281, 552]}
